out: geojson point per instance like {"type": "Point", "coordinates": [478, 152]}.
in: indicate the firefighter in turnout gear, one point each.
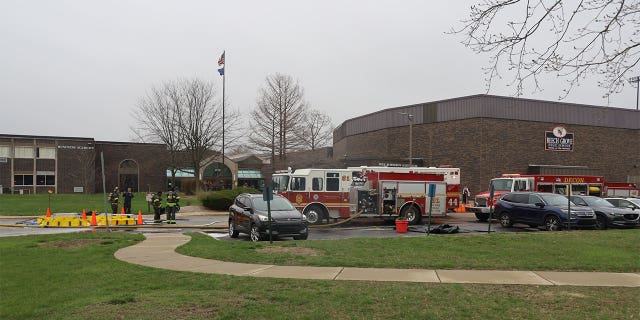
{"type": "Point", "coordinates": [156, 201]}
{"type": "Point", "coordinates": [113, 200]}
{"type": "Point", "coordinates": [172, 206]}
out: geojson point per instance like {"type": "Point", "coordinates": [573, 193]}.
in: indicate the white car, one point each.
{"type": "Point", "coordinates": [631, 203]}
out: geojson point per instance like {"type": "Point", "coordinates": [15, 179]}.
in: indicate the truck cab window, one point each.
{"type": "Point", "coordinates": [316, 184]}
{"type": "Point", "coordinates": [298, 183]}
{"type": "Point", "coordinates": [333, 181]}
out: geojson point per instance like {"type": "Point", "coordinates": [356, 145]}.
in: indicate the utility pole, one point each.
{"type": "Point", "coordinates": [410, 117]}
{"type": "Point", "coordinates": [636, 80]}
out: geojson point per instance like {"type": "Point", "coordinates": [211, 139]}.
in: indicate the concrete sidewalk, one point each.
{"type": "Point", "coordinates": [158, 250]}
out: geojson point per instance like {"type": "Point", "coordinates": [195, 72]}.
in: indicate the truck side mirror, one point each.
{"type": "Point", "coordinates": [540, 204]}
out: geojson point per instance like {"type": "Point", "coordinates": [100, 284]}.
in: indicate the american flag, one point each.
{"type": "Point", "coordinates": [221, 60]}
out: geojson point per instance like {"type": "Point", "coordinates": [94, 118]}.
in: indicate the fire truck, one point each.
{"type": "Point", "coordinates": [561, 184]}
{"type": "Point", "coordinates": [621, 189]}
{"type": "Point", "coordinates": [385, 192]}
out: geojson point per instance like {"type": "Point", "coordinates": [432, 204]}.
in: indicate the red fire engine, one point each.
{"type": "Point", "coordinates": [621, 189]}
{"type": "Point", "coordinates": [561, 184]}
{"type": "Point", "coordinates": [386, 192]}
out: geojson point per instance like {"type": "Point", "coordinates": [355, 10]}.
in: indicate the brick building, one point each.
{"type": "Point", "coordinates": [36, 164]}
{"type": "Point", "coordinates": [488, 135]}
{"type": "Point", "coordinates": [483, 135]}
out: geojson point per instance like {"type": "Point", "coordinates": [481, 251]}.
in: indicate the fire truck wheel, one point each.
{"type": "Point", "coordinates": [314, 214]}
{"type": "Point", "coordinates": [505, 220]}
{"type": "Point", "coordinates": [551, 223]}
{"type": "Point", "coordinates": [411, 213]}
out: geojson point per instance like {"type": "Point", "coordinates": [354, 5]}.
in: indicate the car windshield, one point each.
{"type": "Point", "coordinates": [597, 202]}
{"type": "Point", "coordinates": [555, 200]}
{"type": "Point", "coordinates": [502, 184]}
{"type": "Point", "coordinates": [277, 204]}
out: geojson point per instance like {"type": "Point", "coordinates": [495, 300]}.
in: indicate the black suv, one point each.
{"type": "Point", "coordinates": [249, 215]}
{"type": "Point", "coordinates": [541, 209]}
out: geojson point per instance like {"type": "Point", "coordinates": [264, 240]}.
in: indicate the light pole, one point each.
{"type": "Point", "coordinates": [636, 80]}
{"type": "Point", "coordinates": [410, 117]}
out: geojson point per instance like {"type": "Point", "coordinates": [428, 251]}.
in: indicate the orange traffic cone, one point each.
{"type": "Point", "coordinates": [84, 217]}
{"type": "Point", "coordinates": [48, 212]}
{"type": "Point", "coordinates": [93, 218]}
{"type": "Point", "coordinates": [122, 211]}
{"type": "Point", "coordinates": [140, 217]}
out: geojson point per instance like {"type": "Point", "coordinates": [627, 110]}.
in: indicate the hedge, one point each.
{"type": "Point", "coordinates": [223, 199]}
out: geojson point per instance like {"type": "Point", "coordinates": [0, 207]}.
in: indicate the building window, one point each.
{"type": "Point", "coordinates": [45, 153]}
{"type": "Point", "coordinates": [5, 151]}
{"type": "Point", "coordinates": [24, 152]}
{"type": "Point", "coordinates": [46, 180]}
{"type": "Point", "coordinates": [23, 180]}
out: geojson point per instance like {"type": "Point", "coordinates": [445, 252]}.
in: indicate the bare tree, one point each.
{"type": "Point", "coordinates": [317, 130]}
{"type": "Point", "coordinates": [570, 39]}
{"type": "Point", "coordinates": [186, 116]}
{"type": "Point", "coordinates": [277, 118]}
{"type": "Point", "coordinates": [158, 121]}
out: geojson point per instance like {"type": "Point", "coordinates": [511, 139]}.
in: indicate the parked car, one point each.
{"type": "Point", "coordinates": [631, 203]}
{"type": "Point", "coordinates": [248, 214]}
{"type": "Point", "coordinates": [608, 215]}
{"type": "Point", "coordinates": [537, 209]}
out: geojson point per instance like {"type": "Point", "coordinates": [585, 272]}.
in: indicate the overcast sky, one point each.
{"type": "Point", "coordinates": [78, 68]}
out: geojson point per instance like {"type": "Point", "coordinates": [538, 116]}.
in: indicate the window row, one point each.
{"type": "Point", "coordinates": [333, 183]}
{"type": "Point", "coordinates": [27, 180]}
{"type": "Point", "coordinates": [28, 152]}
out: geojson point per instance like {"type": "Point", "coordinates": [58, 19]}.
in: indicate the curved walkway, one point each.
{"type": "Point", "coordinates": [158, 250]}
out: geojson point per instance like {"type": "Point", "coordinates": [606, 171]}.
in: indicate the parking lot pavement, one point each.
{"type": "Point", "coordinates": [361, 227]}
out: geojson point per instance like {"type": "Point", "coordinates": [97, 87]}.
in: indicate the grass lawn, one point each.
{"type": "Point", "coordinates": [36, 204]}
{"type": "Point", "coordinates": [586, 250]}
{"type": "Point", "coordinates": [75, 276]}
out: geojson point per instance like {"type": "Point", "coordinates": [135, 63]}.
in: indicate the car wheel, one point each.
{"type": "Point", "coordinates": [412, 214]}
{"type": "Point", "coordinates": [601, 222]}
{"type": "Point", "coordinates": [233, 233]}
{"type": "Point", "coordinates": [505, 220]}
{"type": "Point", "coordinates": [552, 223]}
{"type": "Point", "coordinates": [255, 233]}
{"type": "Point", "coordinates": [302, 236]}
{"type": "Point", "coordinates": [314, 214]}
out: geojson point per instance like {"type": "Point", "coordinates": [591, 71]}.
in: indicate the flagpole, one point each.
{"type": "Point", "coordinates": [223, 107]}
{"type": "Point", "coordinates": [222, 62]}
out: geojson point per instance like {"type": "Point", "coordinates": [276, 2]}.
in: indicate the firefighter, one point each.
{"type": "Point", "coordinates": [172, 206]}
{"type": "Point", "coordinates": [156, 201]}
{"type": "Point", "coordinates": [127, 195]}
{"type": "Point", "coordinates": [113, 200]}
{"type": "Point", "coordinates": [466, 195]}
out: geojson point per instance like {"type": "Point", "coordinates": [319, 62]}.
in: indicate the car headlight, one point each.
{"type": "Point", "coordinates": [263, 218]}
{"type": "Point", "coordinates": [304, 218]}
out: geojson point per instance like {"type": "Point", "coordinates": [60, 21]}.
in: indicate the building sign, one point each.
{"type": "Point", "coordinates": [558, 140]}
{"type": "Point", "coordinates": [76, 147]}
